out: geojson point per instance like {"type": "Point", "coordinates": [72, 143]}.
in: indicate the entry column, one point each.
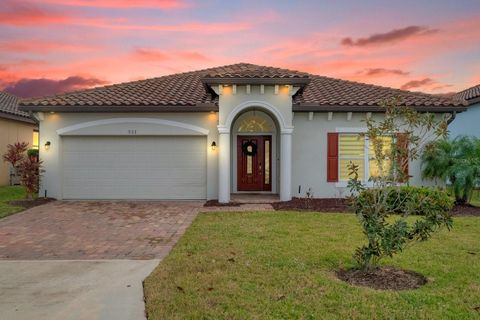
{"type": "Point", "coordinates": [286, 165]}
{"type": "Point", "coordinates": [224, 165]}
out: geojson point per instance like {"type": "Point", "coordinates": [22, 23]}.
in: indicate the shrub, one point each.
{"type": "Point", "coordinates": [15, 153]}
{"type": "Point", "coordinates": [28, 167]}
{"type": "Point", "coordinates": [410, 200]}
{"type": "Point", "coordinates": [387, 235]}
{"type": "Point", "coordinates": [30, 175]}
{"type": "Point", "coordinates": [385, 238]}
{"type": "Point", "coordinates": [456, 162]}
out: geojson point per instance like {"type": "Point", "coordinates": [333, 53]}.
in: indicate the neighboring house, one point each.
{"type": "Point", "coordinates": [467, 123]}
{"type": "Point", "coordinates": [206, 134]}
{"type": "Point", "coordinates": [15, 126]}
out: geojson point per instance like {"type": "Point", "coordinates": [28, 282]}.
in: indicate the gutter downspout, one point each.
{"type": "Point", "coordinates": [454, 115]}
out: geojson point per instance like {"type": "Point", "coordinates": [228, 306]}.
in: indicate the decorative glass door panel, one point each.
{"type": "Point", "coordinates": [254, 163]}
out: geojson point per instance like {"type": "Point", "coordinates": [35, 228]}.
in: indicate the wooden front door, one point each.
{"type": "Point", "coordinates": [254, 163]}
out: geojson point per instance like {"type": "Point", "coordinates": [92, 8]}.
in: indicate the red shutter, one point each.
{"type": "Point", "coordinates": [332, 157]}
{"type": "Point", "coordinates": [402, 143]}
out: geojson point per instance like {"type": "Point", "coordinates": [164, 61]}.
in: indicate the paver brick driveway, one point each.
{"type": "Point", "coordinates": [95, 230]}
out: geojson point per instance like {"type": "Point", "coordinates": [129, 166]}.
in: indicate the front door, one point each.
{"type": "Point", "coordinates": [254, 162]}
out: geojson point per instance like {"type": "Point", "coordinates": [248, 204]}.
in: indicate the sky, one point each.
{"type": "Point", "coordinates": [53, 46]}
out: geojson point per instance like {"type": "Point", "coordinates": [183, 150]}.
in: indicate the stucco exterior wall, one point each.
{"type": "Point", "coordinates": [12, 131]}
{"type": "Point", "coordinates": [310, 153]}
{"type": "Point", "coordinates": [466, 123]}
{"type": "Point", "coordinates": [308, 141]}
{"type": "Point", "coordinates": [282, 101]}
{"type": "Point", "coordinates": [275, 100]}
{"type": "Point", "coordinates": [51, 181]}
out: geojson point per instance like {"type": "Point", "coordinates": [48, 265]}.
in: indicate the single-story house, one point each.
{"type": "Point", "coordinates": [15, 126]}
{"type": "Point", "coordinates": [210, 133]}
{"type": "Point", "coordinates": [466, 123]}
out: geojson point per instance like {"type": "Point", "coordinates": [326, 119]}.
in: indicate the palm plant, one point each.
{"type": "Point", "coordinates": [456, 162]}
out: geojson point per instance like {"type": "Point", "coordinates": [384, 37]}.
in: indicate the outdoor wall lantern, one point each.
{"type": "Point", "coordinates": [47, 145]}
{"type": "Point", "coordinates": [213, 145]}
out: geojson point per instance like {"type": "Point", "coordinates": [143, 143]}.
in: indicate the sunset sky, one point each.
{"type": "Point", "coordinates": [51, 46]}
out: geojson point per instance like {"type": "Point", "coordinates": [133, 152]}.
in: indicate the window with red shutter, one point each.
{"type": "Point", "coordinates": [332, 157]}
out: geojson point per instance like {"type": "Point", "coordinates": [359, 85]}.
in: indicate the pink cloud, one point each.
{"type": "Point", "coordinates": [149, 55]}
{"type": "Point", "coordinates": [23, 14]}
{"type": "Point", "coordinates": [193, 27]}
{"type": "Point", "coordinates": [42, 46]}
{"type": "Point", "coordinates": [390, 36]}
{"type": "Point", "coordinates": [29, 14]}
{"type": "Point", "coordinates": [27, 88]}
{"type": "Point", "coordinates": [191, 55]}
{"type": "Point", "coordinates": [424, 83]}
{"type": "Point", "coordinates": [6, 76]}
{"type": "Point", "coordinates": [124, 4]}
{"type": "Point", "coordinates": [375, 72]}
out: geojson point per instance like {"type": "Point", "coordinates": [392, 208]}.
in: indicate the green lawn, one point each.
{"type": "Point", "coordinates": [281, 265]}
{"type": "Point", "coordinates": [7, 194]}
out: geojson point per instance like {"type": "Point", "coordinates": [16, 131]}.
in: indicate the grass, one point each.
{"type": "Point", "coordinates": [10, 193]}
{"type": "Point", "coordinates": [281, 265]}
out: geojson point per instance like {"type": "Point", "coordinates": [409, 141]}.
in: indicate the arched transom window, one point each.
{"type": "Point", "coordinates": [255, 123]}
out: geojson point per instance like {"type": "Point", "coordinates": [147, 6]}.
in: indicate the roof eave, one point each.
{"type": "Point", "coordinates": [473, 101]}
{"type": "Point", "coordinates": [311, 107]}
{"type": "Point", "coordinates": [15, 117]}
{"type": "Point", "coordinates": [199, 107]}
{"type": "Point", "coordinates": [268, 81]}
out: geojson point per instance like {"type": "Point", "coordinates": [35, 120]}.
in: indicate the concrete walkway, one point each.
{"type": "Point", "coordinates": [76, 290]}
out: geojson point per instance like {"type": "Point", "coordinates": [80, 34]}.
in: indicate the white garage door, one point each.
{"type": "Point", "coordinates": [161, 167]}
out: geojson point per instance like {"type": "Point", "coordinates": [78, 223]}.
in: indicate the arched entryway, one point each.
{"type": "Point", "coordinates": [281, 131]}
{"type": "Point", "coordinates": [254, 153]}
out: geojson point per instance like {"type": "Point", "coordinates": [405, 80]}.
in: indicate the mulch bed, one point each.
{"type": "Point", "coordinates": [341, 205]}
{"type": "Point", "coordinates": [385, 278]}
{"type": "Point", "coordinates": [465, 210]}
{"type": "Point", "coordinates": [215, 203]}
{"type": "Point", "coordinates": [29, 203]}
{"type": "Point", "coordinates": [315, 204]}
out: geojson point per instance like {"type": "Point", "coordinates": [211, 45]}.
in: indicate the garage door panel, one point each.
{"type": "Point", "coordinates": [134, 167]}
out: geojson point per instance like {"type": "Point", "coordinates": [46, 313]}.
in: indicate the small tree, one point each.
{"type": "Point", "coordinates": [15, 155]}
{"type": "Point", "coordinates": [28, 167]}
{"type": "Point", "coordinates": [456, 162]}
{"type": "Point", "coordinates": [29, 170]}
{"type": "Point", "coordinates": [409, 132]}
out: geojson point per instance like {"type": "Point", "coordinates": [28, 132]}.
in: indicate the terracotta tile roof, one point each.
{"type": "Point", "coordinates": [183, 89]}
{"type": "Point", "coordinates": [334, 92]}
{"type": "Point", "coordinates": [469, 94]}
{"type": "Point", "coordinates": [9, 108]}
{"type": "Point", "coordinates": [188, 92]}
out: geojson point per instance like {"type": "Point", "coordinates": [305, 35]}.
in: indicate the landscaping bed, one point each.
{"type": "Point", "coordinates": [341, 205]}
{"type": "Point", "coordinates": [466, 210]}
{"type": "Point", "coordinates": [30, 203]}
{"type": "Point", "coordinates": [386, 278]}
{"type": "Point", "coordinates": [12, 200]}
{"type": "Point", "coordinates": [313, 204]}
{"type": "Point", "coordinates": [283, 265]}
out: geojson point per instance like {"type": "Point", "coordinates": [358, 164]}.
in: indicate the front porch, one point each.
{"type": "Point", "coordinates": [255, 155]}
{"type": "Point", "coordinates": [254, 198]}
